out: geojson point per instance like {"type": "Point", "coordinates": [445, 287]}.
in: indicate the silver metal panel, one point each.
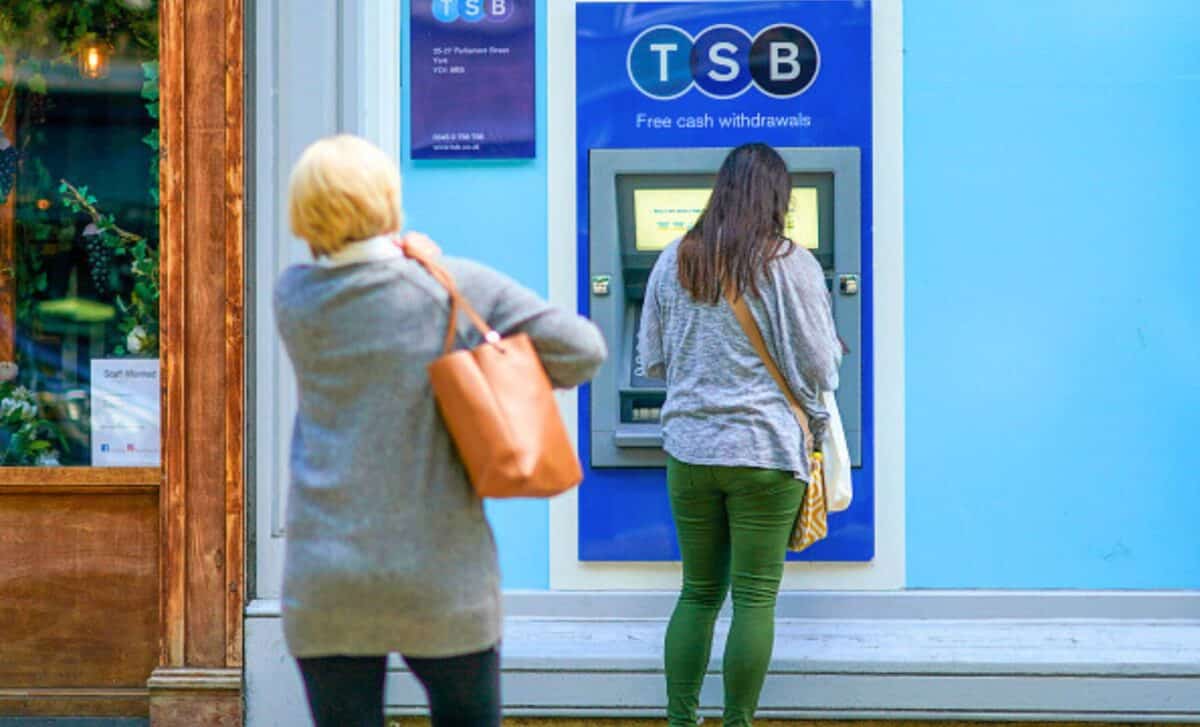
{"type": "Point", "coordinates": [295, 102]}
{"type": "Point", "coordinates": [332, 68]}
{"type": "Point", "coordinates": [614, 444]}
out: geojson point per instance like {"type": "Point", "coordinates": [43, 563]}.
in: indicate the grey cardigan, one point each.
{"type": "Point", "coordinates": [388, 549]}
{"type": "Point", "coordinates": [723, 407]}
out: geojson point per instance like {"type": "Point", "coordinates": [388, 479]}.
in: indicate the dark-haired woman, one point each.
{"type": "Point", "coordinates": [738, 460]}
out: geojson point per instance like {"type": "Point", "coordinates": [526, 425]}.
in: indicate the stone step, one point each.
{"type": "Point", "coordinates": [995, 669]}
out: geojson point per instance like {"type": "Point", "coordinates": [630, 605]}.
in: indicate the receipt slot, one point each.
{"type": "Point", "coordinates": [640, 201]}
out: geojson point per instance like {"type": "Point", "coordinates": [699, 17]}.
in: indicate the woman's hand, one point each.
{"type": "Point", "coordinates": [418, 244]}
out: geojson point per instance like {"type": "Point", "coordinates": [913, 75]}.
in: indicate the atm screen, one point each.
{"type": "Point", "coordinates": [663, 215]}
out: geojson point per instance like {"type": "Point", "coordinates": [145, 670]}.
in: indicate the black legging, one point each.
{"type": "Point", "coordinates": [347, 691]}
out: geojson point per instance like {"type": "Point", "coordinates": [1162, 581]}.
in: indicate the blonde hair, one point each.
{"type": "Point", "coordinates": [343, 189]}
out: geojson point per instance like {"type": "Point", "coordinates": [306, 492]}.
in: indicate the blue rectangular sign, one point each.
{"type": "Point", "coordinates": [652, 75]}
{"type": "Point", "coordinates": [472, 75]}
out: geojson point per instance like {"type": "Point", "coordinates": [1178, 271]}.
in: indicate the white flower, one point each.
{"type": "Point", "coordinates": [48, 458]}
{"type": "Point", "coordinates": [21, 402]}
{"type": "Point", "coordinates": [136, 340]}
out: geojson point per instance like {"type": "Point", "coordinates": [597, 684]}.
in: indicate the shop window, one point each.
{"type": "Point", "coordinates": [79, 231]}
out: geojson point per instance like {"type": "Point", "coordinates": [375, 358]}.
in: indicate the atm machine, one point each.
{"type": "Point", "coordinates": [641, 200]}
{"type": "Point", "coordinates": [663, 91]}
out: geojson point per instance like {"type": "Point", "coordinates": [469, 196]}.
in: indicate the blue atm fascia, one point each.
{"type": "Point", "coordinates": [624, 514]}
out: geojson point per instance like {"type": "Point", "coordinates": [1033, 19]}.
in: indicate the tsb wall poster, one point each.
{"type": "Point", "coordinates": [473, 90]}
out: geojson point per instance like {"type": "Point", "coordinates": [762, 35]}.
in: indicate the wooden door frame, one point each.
{"type": "Point", "coordinates": [202, 496]}
{"type": "Point", "coordinates": [197, 551]}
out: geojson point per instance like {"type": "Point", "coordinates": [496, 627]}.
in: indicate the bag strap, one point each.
{"type": "Point", "coordinates": [742, 312]}
{"type": "Point", "coordinates": [457, 301]}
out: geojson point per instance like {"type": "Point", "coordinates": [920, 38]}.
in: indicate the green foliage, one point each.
{"type": "Point", "coordinates": [27, 438]}
{"type": "Point", "coordinates": [138, 303]}
{"type": "Point", "coordinates": [139, 306]}
{"type": "Point", "coordinates": [31, 274]}
{"type": "Point", "coordinates": [36, 36]}
{"type": "Point", "coordinates": [150, 93]}
{"type": "Point", "coordinates": [54, 29]}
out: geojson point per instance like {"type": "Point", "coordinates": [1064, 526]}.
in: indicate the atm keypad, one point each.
{"type": "Point", "coordinates": [637, 372]}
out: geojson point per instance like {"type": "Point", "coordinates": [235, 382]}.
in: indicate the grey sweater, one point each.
{"type": "Point", "coordinates": [723, 407]}
{"type": "Point", "coordinates": [388, 549]}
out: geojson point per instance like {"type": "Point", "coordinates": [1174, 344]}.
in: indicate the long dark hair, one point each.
{"type": "Point", "coordinates": [741, 229]}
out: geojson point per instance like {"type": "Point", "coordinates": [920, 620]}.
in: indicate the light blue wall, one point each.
{"type": "Point", "coordinates": [494, 213]}
{"type": "Point", "coordinates": [1052, 253]}
{"type": "Point", "coordinates": [1052, 291]}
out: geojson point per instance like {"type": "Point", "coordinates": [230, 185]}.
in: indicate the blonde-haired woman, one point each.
{"type": "Point", "coordinates": [388, 549]}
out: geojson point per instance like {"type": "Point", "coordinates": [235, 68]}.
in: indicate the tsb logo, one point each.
{"type": "Point", "coordinates": [723, 61]}
{"type": "Point", "coordinates": [472, 11]}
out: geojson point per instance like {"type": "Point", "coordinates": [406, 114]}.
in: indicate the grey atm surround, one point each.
{"type": "Point", "coordinates": [617, 282]}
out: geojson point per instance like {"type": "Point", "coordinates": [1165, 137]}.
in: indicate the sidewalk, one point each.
{"type": "Point", "coordinates": [591, 722]}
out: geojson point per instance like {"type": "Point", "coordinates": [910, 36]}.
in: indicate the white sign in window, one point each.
{"type": "Point", "coordinates": [125, 413]}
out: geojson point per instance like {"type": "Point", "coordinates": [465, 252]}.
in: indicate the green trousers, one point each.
{"type": "Point", "coordinates": [733, 525]}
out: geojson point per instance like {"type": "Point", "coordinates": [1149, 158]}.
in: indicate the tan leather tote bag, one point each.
{"type": "Point", "coordinates": [499, 407]}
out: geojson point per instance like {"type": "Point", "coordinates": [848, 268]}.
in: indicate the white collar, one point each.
{"type": "Point", "coordinates": [364, 251]}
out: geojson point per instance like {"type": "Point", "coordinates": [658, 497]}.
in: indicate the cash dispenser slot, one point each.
{"type": "Point", "coordinates": [639, 407]}
{"type": "Point", "coordinates": [640, 423]}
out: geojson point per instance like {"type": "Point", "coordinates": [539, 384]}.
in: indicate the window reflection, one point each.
{"type": "Point", "coordinates": [79, 233]}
